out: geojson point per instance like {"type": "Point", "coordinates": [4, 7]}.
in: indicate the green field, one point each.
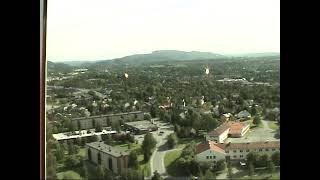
{"type": "Point", "coordinates": [68, 175]}
{"type": "Point", "coordinates": [273, 125]}
{"type": "Point", "coordinates": [125, 147]}
{"type": "Point", "coordinates": [170, 162]}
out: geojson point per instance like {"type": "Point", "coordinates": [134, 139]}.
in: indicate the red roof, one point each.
{"type": "Point", "coordinates": [236, 127]}
{"type": "Point", "coordinates": [208, 145]}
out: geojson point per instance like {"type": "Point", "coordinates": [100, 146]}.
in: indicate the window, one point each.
{"type": "Point", "coordinates": [207, 157]}
{"type": "Point", "coordinates": [267, 149]}
{"type": "Point", "coordinates": [214, 157]}
{"type": "Point", "coordinates": [234, 156]}
{"type": "Point", "coordinates": [210, 157]}
{"type": "Point", "coordinates": [247, 150]}
{"type": "Point", "coordinates": [234, 151]}
{"type": "Point", "coordinates": [273, 149]}
{"type": "Point", "coordinates": [260, 150]}
{"type": "Point", "coordinates": [241, 156]}
{"type": "Point", "coordinates": [240, 150]}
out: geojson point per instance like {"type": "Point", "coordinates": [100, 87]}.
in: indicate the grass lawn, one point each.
{"type": "Point", "coordinates": [125, 147]}
{"type": "Point", "coordinates": [263, 174]}
{"type": "Point", "coordinates": [273, 125]}
{"type": "Point", "coordinates": [82, 152]}
{"type": "Point", "coordinates": [144, 166]}
{"type": "Point", "coordinates": [68, 175]}
{"type": "Point", "coordinates": [170, 162]}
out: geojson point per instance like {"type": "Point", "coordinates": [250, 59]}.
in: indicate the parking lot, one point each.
{"type": "Point", "coordinates": [163, 127]}
{"type": "Point", "coordinates": [257, 134]}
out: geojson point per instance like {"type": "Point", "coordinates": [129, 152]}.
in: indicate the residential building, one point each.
{"type": "Point", "coordinates": [220, 134]}
{"type": "Point", "coordinates": [228, 129]}
{"type": "Point", "coordinates": [209, 152]}
{"type": "Point", "coordinates": [243, 115]}
{"type": "Point", "coordinates": [114, 159]}
{"type": "Point", "coordinates": [140, 127]}
{"type": "Point", "coordinates": [233, 151]}
{"type": "Point", "coordinates": [105, 120]}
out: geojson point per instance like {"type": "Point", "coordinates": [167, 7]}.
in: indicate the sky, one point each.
{"type": "Point", "coordinates": [106, 29]}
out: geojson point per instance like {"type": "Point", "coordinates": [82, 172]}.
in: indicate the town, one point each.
{"type": "Point", "coordinates": [201, 119]}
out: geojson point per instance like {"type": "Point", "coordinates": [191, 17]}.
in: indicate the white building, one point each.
{"type": "Point", "coordinates": [210, 151]}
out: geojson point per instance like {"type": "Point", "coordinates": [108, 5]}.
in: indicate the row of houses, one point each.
{"type": "Point", "coordinates": [105, 120]}
{"type": "Point", "coordinates": [211, 151]}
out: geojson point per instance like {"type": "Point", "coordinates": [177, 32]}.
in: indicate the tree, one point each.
{"type": "Point", "coordinates": [133, 160]}
{"type": "Point", "coordinates": [154, 111]}
{"type": "Point", "coordinates": [100, 172]}
{"type": "Point", "coordinates": [172, 140]}
{"type": "Point", "coordinates": [256, 120]}
{"type": "Point", "coordinates": [84, 171]}
{"type": "Point", "coordinates": [72, 162]}
{"type": "Point", "coordinates": [221, 165]}
{"type": "Point", "coordinates": [115, 125]}
{"type": "Point", "coordinates": [59, 152]}
{"type": "Point", "coordinates": [275, 157]}
{"type": "Point", "coordinates": [83, 141]}
{"type": "Point", "coordinates": [147, 117]}
{"type": "Point", "coordinates": [230, 174]}
{"type": "Point", "coordinates": [156, 176]}
{"type": "Point", "coordinates": [98, 127]}
{"type": "Point", "coordinates": [251, 169]}
{"type": "Point", "coordinates": [147, 145]}
{"type": "Point", "coordinates": [208, 175]}
{"type": "Point", "coordinates": [71, 149]}
{"type": "Point", "coordinates": [51, 166]}
{"type": "Point", "coordinates": [271, 167]}
{"type": "Point", "coordinates": [209, 122]}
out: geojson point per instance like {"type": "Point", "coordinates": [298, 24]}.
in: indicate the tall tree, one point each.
{"type": "Point", "coordinates": [59, 152]}
{"type": "Point", "coordinates": [256, 120]}
{"type": "Point", "coordinates": [275, 157]}
{"type": "Point", "coordinates": [100, 172]}
{"type": "Point", "coordinates": [172, 140]}
{"type": "Point", "coordinates": [230, 173]}
{"type": "Point", "coordinates": [133, 160]}
{"type": "Point", "coordinates": [147, 145]}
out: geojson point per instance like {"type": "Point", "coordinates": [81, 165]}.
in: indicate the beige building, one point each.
{"type": "Point", "coordinates": [233, 151]}
{"type": "Point", "coordinates": [228, 129]}
{"type": "Point", "coordinates": [107, 156]}
{"type": "Point", "coordinates": [105, 120]}
{"type": "Point", "coordinates": [209, 152]}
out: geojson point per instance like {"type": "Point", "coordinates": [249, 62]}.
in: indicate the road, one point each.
{"type": "Point", "coordinates": [157, 158]}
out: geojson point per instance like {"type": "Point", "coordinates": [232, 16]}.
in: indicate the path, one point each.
{"type": "Point", "coordinates": [265, 125]}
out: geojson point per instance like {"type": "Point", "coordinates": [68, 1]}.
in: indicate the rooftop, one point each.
{"type": "Point", "coordinates": [250, 145]}
{"type": "Point", "coordinates": [236, 127]}
{"type": "Point", "coordinates": [208, 145]}
{"type": "Point", "coordinates": [106, 115]}
{"type": "Point", "coordinates": [142, 125]}
{"type": "Point", "coordinates": [105, 148]}
{"type": "Point", "coordinates": [219, 130]}
{"type": "Point", "coordinates": [78, 134]}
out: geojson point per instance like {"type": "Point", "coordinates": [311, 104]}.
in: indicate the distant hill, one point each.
{"type": "Point", "coordinates": [78, 63]}
{"type": "Point", "coordinates": [168, 55]}
{"type": "Point", "coordinates": [58, 67]}
{"type": "Point", "coordinates": [264, 54]}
